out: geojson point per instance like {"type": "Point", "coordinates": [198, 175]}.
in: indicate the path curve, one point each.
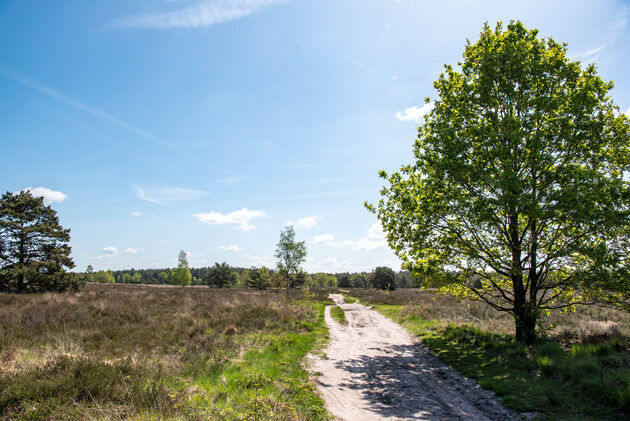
{"type": "Point", "coordinates": [373, 369]}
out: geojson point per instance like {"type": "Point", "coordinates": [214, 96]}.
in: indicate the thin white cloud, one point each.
{"type": "Point", "coordinates": [327, 239]}
{"type": "Point", "coordinates": [415, 113]}
{"type": "Point", "coordinates": [307, 222]}
{"type": "Point", "coordinates": [166, 195]}
{"type": "Point", "coordinates": [202, 14]}
{"type": "Point", "coordinates": [130, 251]}
{"type": "Point", "coordinates": [330, 264]}
{"type": "Point", "coordinates": [260, 260]}
{"type": "Point", "coordinates": [135, 213]}
{"type": "Point", "coordinates": [627, 113]}
{"type": "Point", "coordinates": [50, 196]}
{"type": "Point", "coordinates": [51, 93]}
{"type": "Point", "coordinates": [230, 248]}
{"type": "Point", "coordinates": [585, 55]}
{"type": "Point", "coordinates": [110, 251]}
{"type": "Point", "coordinates": [608, 38]}
{"type": "Point", "coordinates": [241, 218]}
{"type": "Point", "coordinates": [374, 240]}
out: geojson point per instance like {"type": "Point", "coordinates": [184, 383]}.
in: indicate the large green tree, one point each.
{"type": "Point", "coordinates": [518, 182]}
{"type": "Point", "coordinates": [34, 249]}
{"type": "Point", "coordinates": [221, 275]}
{"type": "Point", "coordinates": [181, 274]}
{"type": "Point", "coordinates": [259, 278]}
{"type": "Point", "coordinates": [290, 254]}
{"type": "Point", "coordinates": [384, 278]}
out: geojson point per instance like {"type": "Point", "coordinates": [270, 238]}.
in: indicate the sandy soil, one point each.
{"type": "Point", "coordinates": [374, 370]}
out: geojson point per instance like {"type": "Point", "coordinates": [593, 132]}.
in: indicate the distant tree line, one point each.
{"type": "Point", "coordinates": [222, 275]}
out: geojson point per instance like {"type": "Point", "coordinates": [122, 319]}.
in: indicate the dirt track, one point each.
{"type": "Point", "coordinates": [375, 370]}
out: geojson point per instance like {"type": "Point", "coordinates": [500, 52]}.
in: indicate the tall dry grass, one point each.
{"type": "Point", "coordinates": [119, 351]}
{"type": "Point", "coordinates": [586, 324]}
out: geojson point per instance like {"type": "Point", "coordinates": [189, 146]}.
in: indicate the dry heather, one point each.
{"type": "Point", "coordinates": [120, 351]}
{"type": "Point", "coordinates": [588, 323]}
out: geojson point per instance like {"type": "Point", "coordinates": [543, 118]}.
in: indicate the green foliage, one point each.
{"type": "Point", "coordinates": [384, 278]}
{"type": "Point", "coordinates": [344, 281]}
{"type": "Point", "coordinates": [323, 280]}
{"type": "Point", "coordinates": [34, 249]}
{"type": "Point", "coordinates": [518, 180]}
{"type": "Point", "coordinates": [181, 274]}
{"type": "Point", "coordinates": [259, 278]}
{"type": "Point", "coordinates": [89, 274]}
{"type": "Point", "coordinates": [221, 276]}
{"type": "Point", "coordinates": [163, 278]}
{"type": "Point", "coordinates": [103, 277]}
{"type": "Point", "coordinates": [290, 254]}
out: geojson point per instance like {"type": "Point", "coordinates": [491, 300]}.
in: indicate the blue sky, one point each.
{"type": "Point", "coordinates": [159, 125]}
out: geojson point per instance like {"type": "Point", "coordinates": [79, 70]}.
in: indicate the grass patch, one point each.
{"type": "Point", "coordinates": [350, 300]}
{"type": "Point", "coordinates": [587, 381]}
{"type": "Point", "coordinates": [339, 315]}
{"type": "Point", "coordinates": [151, 352]}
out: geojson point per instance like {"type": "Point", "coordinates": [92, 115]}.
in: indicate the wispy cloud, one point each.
{"type": "Point", "coordinates": [95, 112]}
{"type": "Point", "coordinates": [375, 239]}
{"type": "Point", "coordinates": [135, 213]}
{"type": "Point", "coordinates": [50, 196]}
{"type": "Point", "coordinates": [415, 113]}
{"type": "Point", "coordinates": [307, 222]}
{"type": "Point", "coordinates": [166, 195]}
{"type": "Point", "coordinates": [202, 14]}
{"type": "Point", "coordinates": [241, 218]}
{"type": "Point", "coordinates": [110, 251]}
{"type": "Point", "coordinates": [588, 53]}
{"type": "Point", "coordinates": [230, 248]}
{"type": "Point", "coordinates": [627, 113]}
{"type": "Point", "coordinates": [130, 251]}
{"type": "Point", "coordinates": [327, 239]}
{"type": "Point", "coordinates": [607, 39]}
{"type": "Point", "coordinates": [260, 260]}
{"type": "Point", "coordinates": [330, 264]}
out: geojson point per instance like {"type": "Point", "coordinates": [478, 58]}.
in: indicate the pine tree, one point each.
{"type": "Point", "coordinates": [221, 276]}
{"type": "Point", "coordinates": [34, 249]}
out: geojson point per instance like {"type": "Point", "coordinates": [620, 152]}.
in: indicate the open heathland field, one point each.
{"type": "Point", "coordinates": [580, 369]}
{"type": "Point", "coordinates": [159, 352]}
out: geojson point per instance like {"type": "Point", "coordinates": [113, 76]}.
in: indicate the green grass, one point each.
{"type": "Point", "coordinates": [134, 352]}
{"type": "Point", "coordinates": [268, 382]}
{"type": "Point", "coordinates": [583, 382]}
{"type": "Point", "coordinates": [338, 314]}
{"type": "Point", "coordinates": [350, 300]}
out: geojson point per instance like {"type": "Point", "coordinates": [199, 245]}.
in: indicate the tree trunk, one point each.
{"type": "Point", "coordinates": [524, 314]}
{"type": "Point", "coordinates": [525, 319]}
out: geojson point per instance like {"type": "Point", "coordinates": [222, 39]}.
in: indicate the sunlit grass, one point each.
{"type": "Point", "coordinates": [338, 314]}
{"type": "Point", "coordinates": [134, 352]}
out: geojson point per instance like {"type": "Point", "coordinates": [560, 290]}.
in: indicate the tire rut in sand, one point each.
{"type": "Point", "coordinates": [374, 370]}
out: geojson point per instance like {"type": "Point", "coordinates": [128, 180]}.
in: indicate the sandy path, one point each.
{"type": "Point", "coordinates": [375, 370]}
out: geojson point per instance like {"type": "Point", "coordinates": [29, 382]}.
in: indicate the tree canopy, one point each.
{"type": "Point", "coordinates": [384, 278]}
{"type": "Point", "coordinates": [34, 249]}
{"type": "Point", "coordinates": [181, 274]}
{"type": "Point", "coordinates": [518, 182]}
{"type": "Point", "coordinates": [290, 254]}
{"type": "Point", "coordinates": [221, 276]}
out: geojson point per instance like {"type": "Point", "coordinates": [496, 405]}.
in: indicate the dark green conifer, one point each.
{"type": "Point", "coordinates": [34, 249]}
